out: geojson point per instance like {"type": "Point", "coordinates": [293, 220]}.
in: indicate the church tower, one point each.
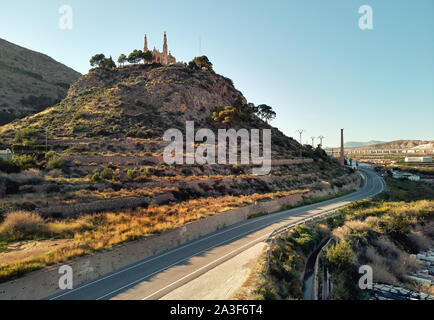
{"type": "Point", "coordinates": [165, 47]}
{"type": "Point", "coordinates": [165, 50]}
{"type": "Point", "coordinates": [164, 57]}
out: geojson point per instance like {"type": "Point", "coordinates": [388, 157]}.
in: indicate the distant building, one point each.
{"type": "Point", "coordinates": [6, 154]}
{"type": "Point", "coordinates": [164, 57]}
{"type": "Point", "coordinates": [351, 163]}
{"type": "Point", "coordinates": [405, 175]}
{"type": "Point", "coordinates": [418, 159]}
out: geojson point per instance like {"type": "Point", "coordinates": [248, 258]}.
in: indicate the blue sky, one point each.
{"type": "Point", "coordinates": [308, 59]}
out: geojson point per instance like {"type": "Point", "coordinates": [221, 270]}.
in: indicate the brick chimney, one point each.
{"type": "Point", "coordinates": [342, 158]}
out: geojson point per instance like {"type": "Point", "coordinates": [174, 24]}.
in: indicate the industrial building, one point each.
{"type": "Point", "coordinates": [418, 159]}
{"type": "Point", "coordinates": [6, 154]}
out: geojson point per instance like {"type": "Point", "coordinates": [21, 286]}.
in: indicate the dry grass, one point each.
{"type": "Point", "coordinates": [124, 193]}
{"type": "Point", "coordinates": [92, 233]}
{"type": "Point", "coordinates": [420, 241]}
{"type": "Point", "coordinates": [351, 229]}
{"type": "Point", "coordinates": [20, 222]}
{"type": "Point", "coordinates": [425, 287]}
{"type": "Point", "coordinates": [390, 263]}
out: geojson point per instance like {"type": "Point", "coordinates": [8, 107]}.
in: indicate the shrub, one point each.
{"type": "Point", "coordinates": [24, 161]}
{"type": "Point", "coordinates": [131, 174]}
{"type": "Point", "coordinates": [56, 162]}
{"type": "Point", "coordinates": [339, 256]}
{"type": "Point", "coordinates": [74, 149]}
{"type": "Point", "coordinates": [201, 63]}
{"type": "Point", "coordinates": [107, 174]}
{"type": "Point", "coordinates": [50, 154]}
{"type": "Point", "coordinates": [96, 177]}
{"type": "Point", "coordinates": [224, 115]}
{"type": "Point", "coordinates": [21, 224]}
{"type": "Point", "coordinates": [28, 136]}
{"type": "Point", "coordinates": [395, 223]}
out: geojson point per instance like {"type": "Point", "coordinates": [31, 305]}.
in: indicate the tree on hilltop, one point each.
{"type": "Point", "coordinates": [148, 56]}
{"type": "Point", "coordinates": [263, 111]}
{"type": "Point", "coordinates": [100, 61]}
{"type": "Point", "coordinates": [108, 63]}
{"type": "Point", "coordinates": [97, 59]}
{"type": "Point", "coordinates": [122, 59]}
{"type": "Point", "coordinates": [266, 113]}
{"type": "Point", "coordinates": [136, 56]}
{"type": "Point", "coordinates": [199, 63]}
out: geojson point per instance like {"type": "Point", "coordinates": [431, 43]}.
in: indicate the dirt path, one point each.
{"type": "Point", "coordinates": [27, 249]}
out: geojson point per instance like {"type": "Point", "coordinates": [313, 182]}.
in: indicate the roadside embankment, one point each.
{"type": "Point", "coordinates": [44, 283]}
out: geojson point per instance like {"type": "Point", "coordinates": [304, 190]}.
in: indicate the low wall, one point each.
{"type": "Point", "coordinates": [44, 283]}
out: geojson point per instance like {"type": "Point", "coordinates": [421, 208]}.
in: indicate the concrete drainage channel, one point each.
{"type": "Point", "coordinates": [310, 283]}
{"type": "Point", "coordinates": [312, 290]}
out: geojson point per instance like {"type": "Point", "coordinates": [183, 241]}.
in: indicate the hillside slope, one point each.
{"type": "Point", "coordinates": [105, 182]}
{"type": "Point", "coordinates": [398, 144]}
{"type": "Point", "coordinates": [115, 120]}
{"type": "Point", "coordinates": [30, 81]}
{"type": "Point", "coordinates": [355, 144]}
{"type": "Point", "coordinates": [142, 101]}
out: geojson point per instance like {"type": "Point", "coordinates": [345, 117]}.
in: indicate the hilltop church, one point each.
{"type": "Point", "coordinates": [164, 57]}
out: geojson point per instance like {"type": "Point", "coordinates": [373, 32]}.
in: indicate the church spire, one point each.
{"type": "Point", "coordinates": [165, 47]}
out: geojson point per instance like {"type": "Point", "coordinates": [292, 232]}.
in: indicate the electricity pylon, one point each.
{"type": "Point", "coordinates": [321, 138]}
{"type": "Point", "coordinates": [301, 131]}
{"type": "Point", "coordinates": [313, 141]}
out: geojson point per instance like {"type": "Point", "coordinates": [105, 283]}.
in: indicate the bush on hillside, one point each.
{"type": "Point", "coordinates": [20, 224]}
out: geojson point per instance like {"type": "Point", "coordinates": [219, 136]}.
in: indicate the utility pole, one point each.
{"type": "Point", "coordinates": [313, 142]}
{"type": "Point", "coordinates": [321, 138]}
{"type": "Point", "coordinates": [301, 131]}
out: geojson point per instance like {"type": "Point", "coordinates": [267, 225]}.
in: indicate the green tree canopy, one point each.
{"type": "Point", "coordinates": [201, 63]}
{"type": "Point", "coordinates": [108, 63]}
{"type": "Point", "coordinates": [136, 56]}
{"type": "Point", "coordinates": [266, 112]}
{"type": "Point", "coordinates": [122, 59]}
{"type": "Point", "coordinates": [229, 115]}
{"type": "Point", "coordinates": [97, 59]}
{"type": "Point", "coordinates": [148, 56]}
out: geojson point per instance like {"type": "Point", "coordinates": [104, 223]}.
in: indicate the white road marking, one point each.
{"type": "Point", "coordinates": [305, 208]}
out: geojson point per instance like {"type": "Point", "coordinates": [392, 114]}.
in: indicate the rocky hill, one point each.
{"type": "Point", "coordinates": [104, 182]}
{"type": "Point", "coordinates": [142, 101]}
{"type": "Point", "coordinates": [30, 81]}
{"type": "Point", "coordinates": [106, 136]}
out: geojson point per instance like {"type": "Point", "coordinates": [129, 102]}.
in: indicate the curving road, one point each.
{"type": "Point", "coordinates": [155, 277]}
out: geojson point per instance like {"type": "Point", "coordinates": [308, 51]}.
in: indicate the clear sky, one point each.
{"type": "Point", "coordinates": [308, 59]}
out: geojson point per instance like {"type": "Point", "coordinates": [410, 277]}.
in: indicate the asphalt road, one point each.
{"type": "Point", "coordinates": [157, 276]}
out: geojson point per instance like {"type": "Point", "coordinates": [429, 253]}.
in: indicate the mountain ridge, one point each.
{"type": "Point", "coordinates": [30, 81]}
{"type": "Point", "coordinates": [398, 144]}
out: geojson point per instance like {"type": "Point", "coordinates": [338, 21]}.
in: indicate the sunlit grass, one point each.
{"type": "Point", "coordinates": [90, 233]}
